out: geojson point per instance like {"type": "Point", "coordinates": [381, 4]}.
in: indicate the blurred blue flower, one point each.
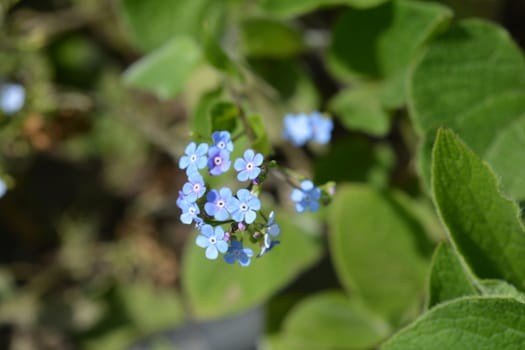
{"type": "Point", "coordinates": [216, 205]}
{"type": "Point", "coordinates": [12, 97]}
{"type": "Point", "coordinates": [236, 252]}
{"type": "Point", "coordinates": [221, 141]}
{"type": "Point", "coordinates": [271, 227]}
{"type": "Point", "coordinates": [243, 207]}
{"type": "Point", "coordinates": [194, 188]}
{"type": "Point", "coordinates": [190, 212]}
{"type": "Point", "coordinates": [307, 197]}
{"type": "Point", "coordinates": [3, 188]}
{"type": "Point", "coordinates": [297, 129]}
{"type": "Point", "coordinates": [321, 128]}
{"type": "Point", "coordinates": [213, 240]}
{"type": "Point", "coordinates": [218, 161]}
{"type": "Point", "coordinates": [248, 167]}
{"type": "Point", "coordinates": [267, 245]}
{"type": "Point", "coordinates": [195, 157]}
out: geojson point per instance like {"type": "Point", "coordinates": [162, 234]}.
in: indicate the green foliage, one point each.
{"type": "Point", "coordinates": [165, 70]}
{"type": "Point", "coordinates": [394, 251]}
{"type": "Point", "coordinates": [224, 116]}
{"type": "Point", "coordinates": [484, 225]}
{"type": "Point", "coordinates": [449, 278]}
{"type": "Point", "coordinates": [293, 8]}
{"type": "Point", "coordinates": [468, 323]}
{"type": "Point", "coordinates": [240, 288]}
{"type": "Point", "coordinates": [330, 320]}
{"type": "Point", "coordinates": [471, 79]}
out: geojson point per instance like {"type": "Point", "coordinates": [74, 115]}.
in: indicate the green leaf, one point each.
{"type": "Point", "coordinates": [380, 42]}
{"type": "Point", "coordinates": [201, 116]}
{"type": "Point", "coordinates": [292, 8]}
{"type": "Point", "coordinates": [216, 289]}
{"type": "Point", "coordinates": [379, 250]}
{"type": "Point", "coordinates": [360, 109]}
{"type": "Point", "coordinates": [141, 298]}
{"type": "Point", "coordinates": [470, 323]}
{"type": "Point", "coordinates": [260, 142]}
{"type": "Point", "coordinates": [152, 23]}
{"type": "Point", "coordinates": [501, 289]}
{"type": "Point", "coordinates": [472, 79]}
{"type": "Point", "coordinates": [330, 320]}
{"type": "Point", "coordinates": [165, 71]}
{"type": "Point", "coordinates": [263, 37]}
{"type": "Point", "coordinates": [224, 116]}
{"type": "Point", "coordinates": [449, 279]}
{"type": "Point", "coordinates": [484, 225]}
{"type": "Point", "coordinates": [216, 56]}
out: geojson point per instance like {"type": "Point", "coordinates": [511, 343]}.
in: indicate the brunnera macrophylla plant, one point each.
{"type": "Point", "coordinates": [227, 218]}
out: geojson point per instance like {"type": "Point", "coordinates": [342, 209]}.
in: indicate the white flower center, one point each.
{"type": "Point", "coordinates": [212, 240]}
{"type": "Point", "coordinates": [221, 145]}
{"type": "Point", "coordinates": [244, 207]}
{"type": "Point", "coordinates": [249, 166]}
{"type": "Point", "coordinates": [237, 252]}
{"type": "Point", "coordinates": [217, 160]}
{"type": "Point", "coordinates": [220, 203]}
{"type": "Point", "coordinates": [196, 187]}
{"type": "Point", "coordinates": [193, 158]}
{"type": "Point", "coordinates": [192, 210]}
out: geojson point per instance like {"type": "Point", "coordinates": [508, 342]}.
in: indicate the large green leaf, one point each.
{"type": "Point", "coordinates": [470, 323]}
{"type": "Point", "coordinates": [151, 23]}
{"type": "Point", "coordinates": [263, 37]}
{"type": "Point", "coordinates": [330, 320]}
{"type": "Point", "coordinates": [360, 109]}
{"type": "Point", "coordinates": [215, 288]}
{"type": "Point", "coordinates": [165, 71]}
{"type": "Point", "coordinates": [484, 225]}
{"type": "Point", "coordinates": [472, 79]}
{"type": "Point", "coordinates": [449, 279]}
{"type": "Point", "coordinates": [379, 250]}
{"type": "Point", "coordinates": [291, 8]}
{"type": "Point", "coordinates": [380, 42]}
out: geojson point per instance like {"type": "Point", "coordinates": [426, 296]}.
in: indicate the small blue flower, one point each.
{"type": "Point", "coordinates": [218, 161]}
{"type": "Point", "coordinates": [307, 197]}
{"type": "Point", "coordinates": [213, 240]}
{"type": "Point", "coordinates": [3, 188]}
{"type": "Point", "coordinates": [297, 129]}
{"type": "Point", "coordinates": [267, 245]}
{"type": "Point", "coordinates": [271, 227]}
{"type": "Point", "coordinates": [321, 127]}
{"type": "Point", "coordinates": [12, 98]}
{"type": "Point", "coordinates": [243, 207]}
{"type": "Point", "coordinates": [248, 167]}
{"type": "Point", "coordinates": [221, 141]}
{"type": "Point", "coordinates": [195, 157]}
{"type": "Point", "coordinates": [216, 205]}
{"type": "Point", "coordinates": [194, 188]}
{"type": "Point", "coordinates": [190, 212]}
{"type": "Point", "coordinates": [237, 252]}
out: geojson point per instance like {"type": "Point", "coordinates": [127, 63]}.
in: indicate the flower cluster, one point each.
{"type": "Point", "coordinates": [213, 209]}
{"type": "Point", "coordinates": [302, 128]}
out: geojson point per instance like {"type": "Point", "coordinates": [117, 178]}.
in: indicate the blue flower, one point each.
{"type": "Point", "coordinates": [190, 212]}
{"type": "Point", "coordinates": [3, 188]}
{"type": "Point", "coordinates": [213, 240]}
{"type": "Point", "coordinates": [243, 207]}
{"type": "Point", "coordinates": [297, 129]}
{"type": "Point", "coordinates": [12, 98]}
{"type": "Point", "coordinates": [216, 205]}
{"type": "Point", "coordinates": [221, 141]}
{"type": "Point", "coordinates": [321, 128]}
{"type": "Point", "coordinates": [218, 161]}
{"type": "Point", "coordinates": [195, 157]}
{"type": "Point", "coordinates": [248, 167]}
{"type": "Point", "coordinates": [267, 245]}
{"type": "Point", "coordinates": [307, 197]}
{"type": "Point", "coordinates": [271, 227]}
{"type": "Point", "coordinates": [194, 188]}
{"type": "Point", "coordinates": [237, 252]}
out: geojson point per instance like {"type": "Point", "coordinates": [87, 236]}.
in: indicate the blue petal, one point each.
{"type": "Point", "coordinates": [240, 164]}
{"type": "Point", "coordinates": [184, 161]}
{"type": "Point", "coordinates": [242, 176]}
{"type": "Point", "coordinates": [211, 252]}
{"type": "Point", "coordinates": [221, 214]}
{"type": "Point", "coordinates": [299, 208]}
{"type": "Point", "coordinates": [230, 258]}
{"type": "Point", "coordinates": [307, 185]}
{"type": "Point", "coordinates": [250, 216]}
{"type": "Point", "coordinates": [207, 230]}
{"type": "Point", "coordinates": [202, 241]}
{"type": "Point", "coordinates": [190, 148]}
{"type": "Point", "coordinates": [258, 159]}
{"type": "Point", "coordinates": [297, 195]}
{"type": "Point", "coordinates": [202, 149]}
{"type": "Point", "coordinates": [210, 208]}
{"type": "Point", "coordinates": [248, 155]}
{"type": "Point", "coordinates": [222, 246]}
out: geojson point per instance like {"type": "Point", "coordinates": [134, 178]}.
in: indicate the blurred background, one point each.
{"type": "Point", "coordinates": [92, 252]}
